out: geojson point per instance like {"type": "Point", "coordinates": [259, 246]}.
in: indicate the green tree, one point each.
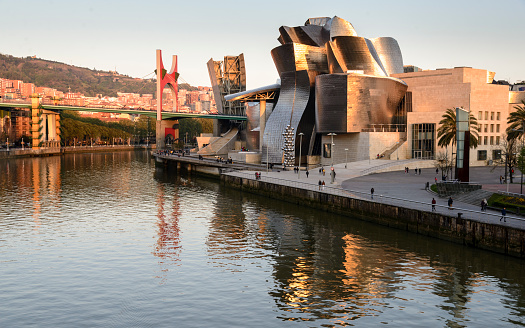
{"type": "Point", "coordinates": [447, 129]}
{"type": "Point", "coordinates": [516, 122]}
{"type": "Point", "coordinates": [521, 165]}
{"type": "Point", "coordinates": [74, 127]}
{"type": "Point", "coordinates": [189, 127]}
{"type": "Point", "coordinates": [206, 124]}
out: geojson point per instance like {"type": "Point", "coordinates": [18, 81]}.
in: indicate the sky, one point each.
{"type": "Point", "coordinates": [124, 35]}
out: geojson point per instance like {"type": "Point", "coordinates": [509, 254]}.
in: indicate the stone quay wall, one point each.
{"type": "Point", "coordinates": [498, 238]}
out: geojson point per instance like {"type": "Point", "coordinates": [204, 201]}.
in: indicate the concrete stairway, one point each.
{"type": "Point", "coordinates": [386, 154]}
{"type": "Point", "coordinates": [222, 145]}
{"type": "Point", "coordinates": [474, 197]}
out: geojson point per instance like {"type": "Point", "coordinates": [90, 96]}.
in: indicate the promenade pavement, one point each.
{"type": "Point", "coordinates": [398, 188]}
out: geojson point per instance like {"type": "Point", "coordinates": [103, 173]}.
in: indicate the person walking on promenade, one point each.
{"type": "Point", "coordinates": [450, 201]}
{"type": "Point", "coordinates": [436, 179]}
{"type": "Point", "coordinates": [307, 173]}
{"type": "Point", "coordinates": [323, 184]}
{"type": "Point", "coordinates": [433, 204]}
{"type": "Point", "coordinates": [319, 184]}
{"type": "Point", "coordinates": [483, 205]}
{"type": "Point", "coordinates": [372, 193]}
{"type": "Point", "coordinates": [437, 171]}
{"type": "Point", "coordinates": [419, 171]}
{"type": "Point", "coordinates": [323, 172]}
{"type": "Point", "coordinates": [415, 173]}
{"type": "Point", "coordinates": [320, 171]}
{"type": "Point", "coordinates": [503, 215]}
{"type": "Point", "coordinates": [500, 179]}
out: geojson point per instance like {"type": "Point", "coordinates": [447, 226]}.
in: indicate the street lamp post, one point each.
{"type": "Point", "coordinates": [331, 134]}
{"type": "Point", "coordinates": [300, 148]}
{"type": "Point", "coordinates": [332, 172]}
{"type": "Point", "coordinates": [346, 159]}
{"type": "Point", "coordinates": [267, 160]}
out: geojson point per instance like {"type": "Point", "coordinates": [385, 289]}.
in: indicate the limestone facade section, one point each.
{"type": "Point", "coordinates": [362, 146]}
{"type": "Point", "coordinates": [435, 91]}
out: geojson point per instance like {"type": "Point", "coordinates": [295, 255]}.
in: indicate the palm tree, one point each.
{"type": "Point", "coordinates": [516, 122]}
{"type": "Point", "coordinates": [447, 130]}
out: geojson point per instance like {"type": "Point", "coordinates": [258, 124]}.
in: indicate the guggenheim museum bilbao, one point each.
{"type": "Point", "coordinates": [343, 98]}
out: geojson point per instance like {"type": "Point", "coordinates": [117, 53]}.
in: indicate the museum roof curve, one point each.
{"type": "Point", "coordinates": [267, 93]}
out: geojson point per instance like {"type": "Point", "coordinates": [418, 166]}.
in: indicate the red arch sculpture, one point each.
{"type": "Point", "coordinates": [163, 78]}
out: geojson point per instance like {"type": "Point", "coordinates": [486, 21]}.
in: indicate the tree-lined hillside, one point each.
{"type": "Point", "coordinates": [60, 76]}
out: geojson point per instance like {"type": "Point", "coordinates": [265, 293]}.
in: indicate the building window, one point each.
{"type": "Point", "coordinates": [497, 140]}
{"type": "Point", "coordinates": [423, 140]}
{"type": "Point", "coordinates": [497, 116]}
{"type": "Point", "coordinates": [485, 140]}
{"type": "Point", "coordinates": [496, 154]}
{"type": "Point", "coordinates": [486, 115]}
{"type": "Point", "coordinates": [491, 140]}
{"type": "Point", "coordinates": [497, 127]}
{"type": "Point", "coordinates": [482, 155]}
{"type": "Point", "coordinates": [492, 116]}
{"type": "Point", "coordinates": [480, 115]}
{"type": "Point", "coordinates": [327, 150]}
{"type": "Point", "coordinates": [486, 128]}
{"type": "Point", "coordinates": [492, 128]}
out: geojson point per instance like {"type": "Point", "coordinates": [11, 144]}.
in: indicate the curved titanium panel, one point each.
{"type": "Point", "coordinates": [516, 97]}
{"type": "Point", "coordinates": [331, 103]}
{"type": "Point", "coordinates": [374, 54]}
{"type": "Point", "coordinates": [309, 35]}
{"type": "Point", "coordinates": [389, 54]}
{"type": "Point", "coordinates": [296, 57]}
{"type": "Point", "coordinates": [293, 100]}
{"type": "Point", "coordinates": [352, 102]}
{"type": "Point", "coordinates": [321, 21]}
{"type": "Point", "coordinates": [340, 27]}
{"type": "Point", "coordinates": [351, 53]}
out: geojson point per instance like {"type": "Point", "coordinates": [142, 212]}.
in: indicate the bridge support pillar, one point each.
{"type": "Point", "coordinates": [159, 134]}
{"type": "Point", "coordinates": [220, 127]}
{"type": "Point", "coordinates": [36, 114]}
{"type": "Point", "coordinates": [165, 128]}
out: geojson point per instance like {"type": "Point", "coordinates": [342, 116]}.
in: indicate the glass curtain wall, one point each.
{"type": "Point", "coordinates": [423, 140]}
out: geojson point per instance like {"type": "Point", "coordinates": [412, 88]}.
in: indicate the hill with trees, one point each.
{"type": "Point", "coordinates": [60, 76]}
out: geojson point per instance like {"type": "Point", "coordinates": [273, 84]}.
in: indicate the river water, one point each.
{"type": "Point", "coordinates": [108, 240]}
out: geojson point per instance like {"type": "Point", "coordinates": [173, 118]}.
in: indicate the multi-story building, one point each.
{"type": "Point", "coordinates": [192, 97]}
{"type": "Point", "coordinates": [431, 92]}
{"type": "Point", "coordinates": [12, 89]}
{"type": "Point", "coordinates": [27, 90]}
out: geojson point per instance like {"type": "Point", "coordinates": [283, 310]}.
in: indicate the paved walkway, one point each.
{"type": "Point", "coordinates": [397, 188]}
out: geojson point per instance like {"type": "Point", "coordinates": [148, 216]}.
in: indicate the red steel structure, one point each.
{"type": "Point", "coordinates": [163, 78]}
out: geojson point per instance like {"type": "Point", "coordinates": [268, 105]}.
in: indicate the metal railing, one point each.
{"type": "Point", "coordinates": [387, 165]}
{"type": "Point", "coordinates": [377, 198]}
{"type": "Point", "coordinates": [385, 128]}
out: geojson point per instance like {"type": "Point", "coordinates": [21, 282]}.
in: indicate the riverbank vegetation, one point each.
{"type": "Point", "coordinates": [77, 129]}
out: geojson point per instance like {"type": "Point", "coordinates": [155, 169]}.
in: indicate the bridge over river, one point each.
{"type": "Point", "coordinates": [151, 113]}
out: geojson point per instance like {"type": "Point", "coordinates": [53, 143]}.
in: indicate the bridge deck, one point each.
{"type": "Point", "coordinates": [165, 115]}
